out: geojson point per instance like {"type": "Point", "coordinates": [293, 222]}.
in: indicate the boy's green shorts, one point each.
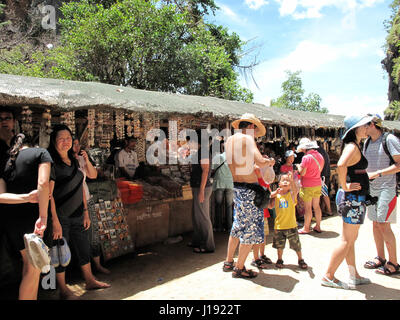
{"type": "Point", "coordinates": [292, 235]}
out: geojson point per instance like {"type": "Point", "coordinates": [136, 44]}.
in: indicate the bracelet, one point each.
{"type": "Point", "coordinates": [85, 209]}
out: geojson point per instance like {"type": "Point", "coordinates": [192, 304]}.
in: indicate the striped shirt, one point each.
{"type": "Point", "coordinates": [378, 160]}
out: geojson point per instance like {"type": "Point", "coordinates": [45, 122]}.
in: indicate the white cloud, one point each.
{"type": "Point", "coordinates": [345, 105]}
{"type": "Point", "coordinates": [227, 11]}
{"type": "Point", "coordinates": [309, 57]}
{"type": "Point", "coordinates": [307, 9]}
{"type": "Point", "coordinates": [256, 4]}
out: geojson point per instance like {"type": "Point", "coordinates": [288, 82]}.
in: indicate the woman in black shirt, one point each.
{"type": "Point", "coordinates": [68, 208]}
{"type": "Point", "coordinates": [27, 169]}
{"type": "Point", "coordinates": [354, 181]}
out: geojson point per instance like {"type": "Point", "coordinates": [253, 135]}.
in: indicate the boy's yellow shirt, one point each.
{"type": "Point", "coordinates": [285, 212]}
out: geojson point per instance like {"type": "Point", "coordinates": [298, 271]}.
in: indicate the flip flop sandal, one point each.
{"type": "Point", "coordinates": [302, 264]}
{"type": "Point", "coordinates": [228, 266]}
{"type": "Point", "coordinates": [279, 263]}
{"type": "Point", "coordinates": [266, 259]}
{"type": "Point", "coordinates": [373, 265]}
{"type": "Point", "coordinates": [387, 272]}
{"type": "Point", "coordinates": [238, 273]}
{"type": "Point", "coordinates": [259, 264]}
{"type": "Point", "coordinates": [317, 231]}
{"type": "Point", "coordinates": [301, 231]}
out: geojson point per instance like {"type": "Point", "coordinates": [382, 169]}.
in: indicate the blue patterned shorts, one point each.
{"type": "Point", "coordinates": [248, 223]}
{"type": "Point", "coordinates": [352, 208]}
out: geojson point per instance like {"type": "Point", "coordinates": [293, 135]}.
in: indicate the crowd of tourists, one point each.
{"type": "Point", "coordinates": [44, 191]}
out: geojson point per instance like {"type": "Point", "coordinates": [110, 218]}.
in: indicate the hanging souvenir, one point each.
{"type": "Point", "coordinates": [107, 131]}
{"type": "Point", "coordinates": [47, 117]}
{"type": "Point", "coordinates": [136, 124]}
{"type": "Point", "coordinates": [26, 123]}
{"type": "Point", "coordinates": [120, 124]}
{"type": "Point", "coordinates": [91, 127]}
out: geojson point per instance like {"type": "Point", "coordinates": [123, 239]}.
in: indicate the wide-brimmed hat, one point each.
{"type": "Point", "coordinates": [289, 153]}
{"type": "Point", "coordinates": [248, 117]}
{"type": "Point", "coordinates": [306, 143]}
{"type": "Point", "coordinates": [355, 121]}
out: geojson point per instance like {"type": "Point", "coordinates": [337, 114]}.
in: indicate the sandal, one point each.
{"type": "Point", "coordinates": [201, 250]}
{"type": "Point", "coordinates": [260, 264]}
{"type": "Point", "coordinates": [334, 284]}
{"type": "Point", "coordinates": [301, 231]}
{"type": "Point", "coordinates": [386, 271]}
{"type": "Point", "coordinates": [228, 266]}
{"type": "Point", "coordinates": [265, 259]}
{"type": "Point", "coordinates": [317, 231]}
{"type": "Point", "coordinates": [373, 265]}
{"type": "Point", "coordinates": [302, 264]}
{"type": "Point", "coordinates": [279, 263]}
{"type": "Point", "coordinates": [238, 273]}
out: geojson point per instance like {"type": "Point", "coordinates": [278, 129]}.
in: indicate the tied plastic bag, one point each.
{"type": "Point", "coordinates": [268, 174]}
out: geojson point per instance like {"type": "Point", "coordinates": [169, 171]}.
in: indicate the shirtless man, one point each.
{"type": "Point", "coordinates": [248, 225]}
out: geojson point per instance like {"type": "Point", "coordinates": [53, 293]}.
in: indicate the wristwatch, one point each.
{"type": "Point", "coordinates": [380, 174]}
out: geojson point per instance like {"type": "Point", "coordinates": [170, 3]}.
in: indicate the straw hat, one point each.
{"type": "Point", "coordinates": [306, 143]}
{"type": "Point", "coordinates": [248, 117]}
{"type": "Point", "coordinates": [352, 122]}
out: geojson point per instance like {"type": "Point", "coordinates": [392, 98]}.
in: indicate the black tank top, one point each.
{"type": "Point", "coordinates": [358, 173]}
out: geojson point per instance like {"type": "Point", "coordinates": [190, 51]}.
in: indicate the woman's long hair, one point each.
{"type": "Point", "coordinates": [52, 146]}
{"type": "Point", "coordinates": [16, 144]}
{"type": "Point", "coordinates": [350, 137]}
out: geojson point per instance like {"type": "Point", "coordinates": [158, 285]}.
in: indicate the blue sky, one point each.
{"type": "Point", "coordinates": [337, 44]}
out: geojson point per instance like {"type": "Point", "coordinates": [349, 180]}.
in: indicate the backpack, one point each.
{"type": "Point", "coordinates": [385, 148]}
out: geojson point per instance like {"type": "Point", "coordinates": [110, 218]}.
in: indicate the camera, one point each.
{"type": "Point", "coordinates": [369, 200]}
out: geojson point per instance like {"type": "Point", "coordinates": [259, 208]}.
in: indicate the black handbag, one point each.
{"type": "Point", "coordinates": [263, 195]}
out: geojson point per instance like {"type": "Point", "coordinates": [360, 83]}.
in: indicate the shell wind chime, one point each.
{"type": "Point", "coordinates": [137, 130]}
{"type": "Point", "coordinates": [68, 118]}
{"type": "Point", "coordinates": [26, 124]}
{"type": "Point", "coordinates": [120, 124]}
{"type": "Point", "coordinates": [91, 127]}
{"type": "Point", "coordinates": [103, 130]}
{"type": "Point", "coordinates": [47, 117]}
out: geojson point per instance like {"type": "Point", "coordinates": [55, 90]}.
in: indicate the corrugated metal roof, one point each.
{"type": "Point", "coordinates": [74, 95]}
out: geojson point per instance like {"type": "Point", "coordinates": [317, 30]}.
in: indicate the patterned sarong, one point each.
{"type": "Point", "coordinates": [248, 223]}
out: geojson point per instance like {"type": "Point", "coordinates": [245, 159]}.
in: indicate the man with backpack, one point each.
{"type": "Point", "coordinates": [382, 151]}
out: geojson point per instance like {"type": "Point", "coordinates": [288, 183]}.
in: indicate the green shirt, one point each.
{"type": "Point", "coordinates": [223, 177]}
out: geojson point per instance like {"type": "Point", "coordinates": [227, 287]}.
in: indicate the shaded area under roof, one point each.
{"type": "Point", "coordinates": [66, 95]}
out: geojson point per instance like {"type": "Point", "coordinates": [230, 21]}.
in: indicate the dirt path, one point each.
{"type": "Point", "coordinates": [174, 272]}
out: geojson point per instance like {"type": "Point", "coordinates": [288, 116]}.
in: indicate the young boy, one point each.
{"type": "Point", "coordinates": [260, 259]}
{"type": "Point", "coordinates": [284, 202]}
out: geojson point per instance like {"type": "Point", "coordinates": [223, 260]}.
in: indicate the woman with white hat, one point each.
{"type": "Point", "coordinates": [354, 180]}
{"type": "Point", "coordinates": [310, 169]}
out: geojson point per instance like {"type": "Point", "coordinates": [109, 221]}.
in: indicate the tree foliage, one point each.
{"type": "Point", "coordinates": [391, 63]}
{"type": "Point", "coordinates": [293, 96]}
{"type": "Point", "coordinates": [146, 44]}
